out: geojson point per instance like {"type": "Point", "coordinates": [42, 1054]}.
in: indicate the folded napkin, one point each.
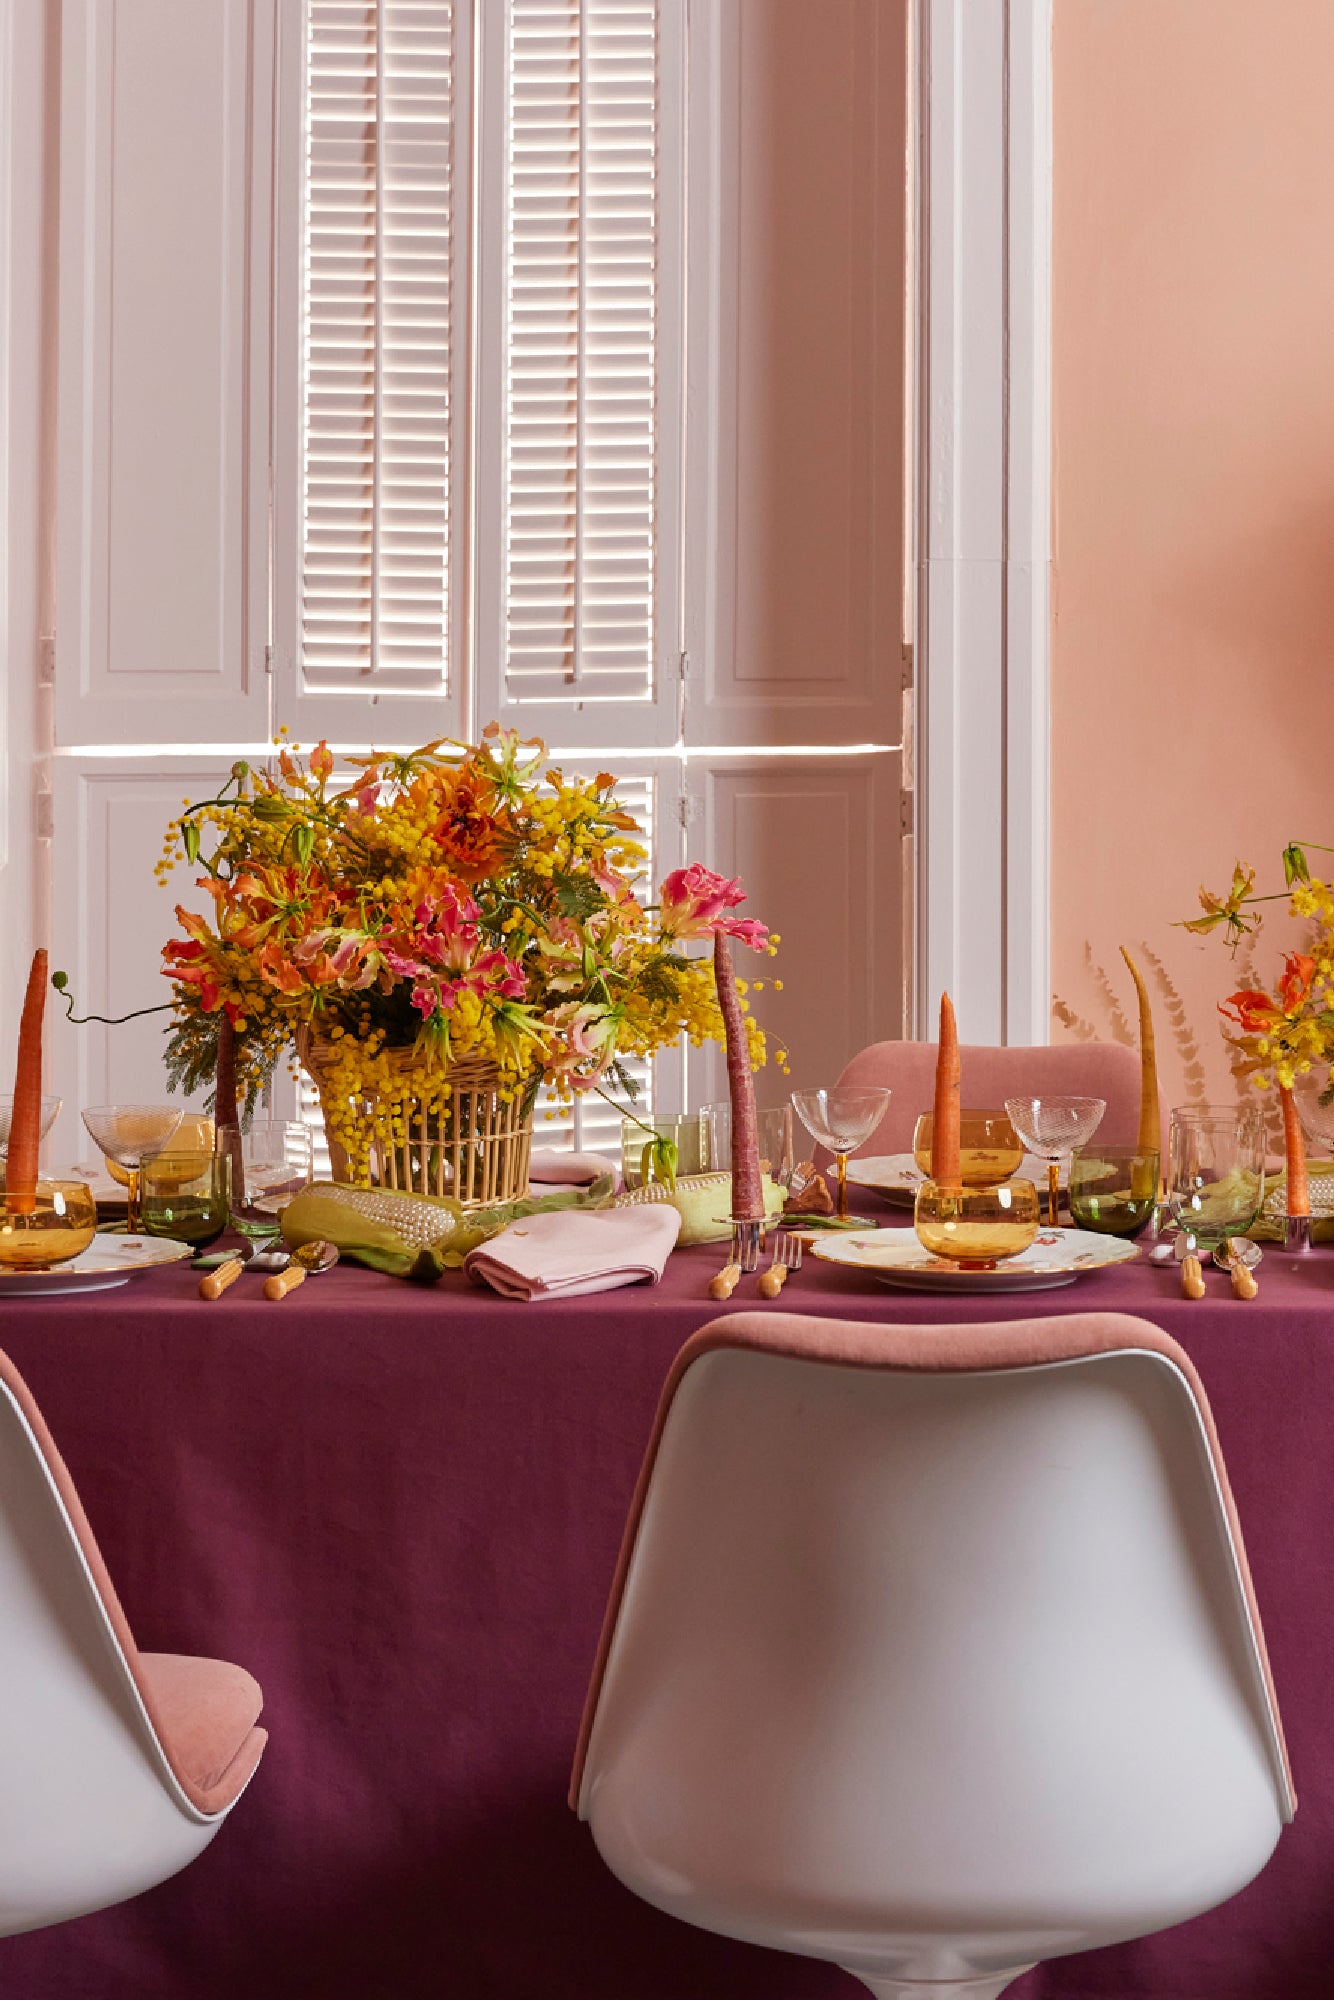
{"type": "Point", "coordinates": [553, 1166]}
{"type": "Point", "coordinates": [581, 1250]}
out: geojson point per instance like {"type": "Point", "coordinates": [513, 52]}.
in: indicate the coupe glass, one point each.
{"type": "Point", "coordinates": [270, 1163]}
{"type": "Point", "coordinates": [185, 1197]}
{"type": "Point", "coordinates": [126, 1135]}
{"type": "Point", "coordinates": [1215, 1173]}
{"type": "Point", "coordinates": [50, 1113]}
{"type": "Point", "coordinates": [1052, 1127]}
{"type": "Point", "coordinates": [841, 1120]}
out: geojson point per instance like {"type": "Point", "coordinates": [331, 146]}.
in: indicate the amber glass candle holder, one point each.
{"type": "Point", "coordinates": [989, 1148]}
{"type": "Point", "coordinates": [976, 1228]}
{"type": "Point", "coordinates": [63, 1221]}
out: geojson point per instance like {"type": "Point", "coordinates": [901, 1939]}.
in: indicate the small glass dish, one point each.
{"type": "Point", "coordinates": [61, 1222]}
{"type": "Point", "coordinates": [989, 1148]}
{"type": "Point", "coordinates": [976, 1228]}
{"type": "Point", "coordinates": [1113, 1189]}
{"type": "Point", "coordinates": [186, 1198]}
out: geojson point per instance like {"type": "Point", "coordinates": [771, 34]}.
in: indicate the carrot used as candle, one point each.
{"type": "Point", "coordinates": [747, 1192]}
{"type": "Point", "coordinates": [25, 1124]}
{"type": "Point", "coordinates": [945, 1118]}
{"type": "Point", "coordinates": [1150, 1128]}
{"type": "Point", "coordinates": [1294, 1145]}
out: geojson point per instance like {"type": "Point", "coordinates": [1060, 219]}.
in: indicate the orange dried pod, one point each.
{"type": "Point", "coordinates": [25, 1125]}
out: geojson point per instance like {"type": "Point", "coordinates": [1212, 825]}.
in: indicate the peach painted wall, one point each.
{"type": "Point", "coordinates": [1193, 602]}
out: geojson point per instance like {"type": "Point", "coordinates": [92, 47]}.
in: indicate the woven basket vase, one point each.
{"type": "Point", "coordinates": [474, 1146]}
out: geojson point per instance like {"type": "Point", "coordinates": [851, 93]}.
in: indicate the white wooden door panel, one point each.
{"type": "Point", "coordinates": [162, 452]}
{"type": "Point", "coordinates": [802, 521]}
{"type": "Point", "coordinates": [816, 843]}
{"type": "Point", "coordinates": [110, 920]}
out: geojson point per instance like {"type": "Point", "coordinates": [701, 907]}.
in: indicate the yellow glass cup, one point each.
{"type": "Point", "coordinates": [989, 1147]}
{"type": "Point", "coordinates": [976, 1228]}
{"type": "Point", "coordinates": [63, 1222]}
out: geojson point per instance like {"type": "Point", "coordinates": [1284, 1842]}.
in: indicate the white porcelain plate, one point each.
{"type": "Point", "coordinates": [897, 1176]}
{"type": "Point", "coordinates": [108, 1260]}
{"type": "Point", "coordinates": [1056, 1257]}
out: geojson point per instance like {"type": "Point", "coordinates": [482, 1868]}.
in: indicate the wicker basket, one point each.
{"type": "Point", "coordinates": [474, 1146]}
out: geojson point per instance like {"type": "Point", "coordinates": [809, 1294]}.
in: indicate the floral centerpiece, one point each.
{"type": "Point", "coordinates": [459, 913]}
{"type": "Point", "coordinates": [1280, 1034]}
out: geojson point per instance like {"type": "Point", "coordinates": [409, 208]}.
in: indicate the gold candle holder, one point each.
{"type": "Point", "coordinates": [976, 1227]}
{"type": "Point", "coordinates": [63, 1222]}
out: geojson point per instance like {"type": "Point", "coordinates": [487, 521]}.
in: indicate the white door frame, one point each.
{"type": "Point", "coordinates": [983, 552]}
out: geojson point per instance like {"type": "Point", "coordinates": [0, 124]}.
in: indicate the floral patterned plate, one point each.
{"type": "Point", "coordinates": [895, 1257]}
{"type": "Point", "coordinates": [108, 1260]}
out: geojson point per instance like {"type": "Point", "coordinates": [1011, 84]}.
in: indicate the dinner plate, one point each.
{"type": "Point", "coordinates": [1055, 1257]}
{"type": "Point", "coordinates": [108, 1260]}
{"type": "Point", "coordinates": [897, 1176]}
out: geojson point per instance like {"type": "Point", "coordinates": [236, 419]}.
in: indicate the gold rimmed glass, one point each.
{"type": "Point", "coordinates": [989, 1148]}
{"type": "Point", "coordinates": [1052, 1127]}
{"type": "Point", "coordinates": [126, 1135]}
{"type": "Point", "coordinates": [977, 1227]}
{"type": "Point", "coordinates": [61, 1222]}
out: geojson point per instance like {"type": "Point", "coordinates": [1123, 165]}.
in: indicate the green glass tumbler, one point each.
{"type": "Point", "coordinates": [187, 1197]}
{"type": "Point", "coordinates": [1113, 1189]}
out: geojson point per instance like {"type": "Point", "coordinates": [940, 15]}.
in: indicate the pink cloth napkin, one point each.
{"type": "Point", "coordinates": [552, 1256]}
{"type": "Point", "coordinates": [552, 1166]}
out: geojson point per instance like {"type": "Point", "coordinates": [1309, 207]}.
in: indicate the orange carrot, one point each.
{"type": "Point", "coordinates": [1150, 1128]}
{"type": "Point", "coordinates": [1294, 1145]}
{"type": "Point", "coordinates": [945, 1119]}
{"type": "Point", "coordinates": [25, 1124]}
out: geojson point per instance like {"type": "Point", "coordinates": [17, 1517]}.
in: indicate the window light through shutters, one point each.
{"type": "Point", "coordinates": [378, 478]}
{"type": "Point", "coordinates": [582, 343]}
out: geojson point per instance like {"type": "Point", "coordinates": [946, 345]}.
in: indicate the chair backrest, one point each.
{"type": "Point", "coordinates": [94, 1807]}
{"type": "Point", "coordinates": [959, 1610]}
{"type": "Point", "coordinates": [988, 1076]}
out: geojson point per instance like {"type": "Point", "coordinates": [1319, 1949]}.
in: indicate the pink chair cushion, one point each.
{"type": "Point", "coordinates": [989, 1076]}
{"type": "Point", "coordinates": [925, 1350]}
{"type": "Point", "coordinates": [202, 1712]}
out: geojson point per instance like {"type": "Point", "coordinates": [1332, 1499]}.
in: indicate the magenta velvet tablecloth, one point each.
{"type": "Point", "coordinates": [400, 1508]}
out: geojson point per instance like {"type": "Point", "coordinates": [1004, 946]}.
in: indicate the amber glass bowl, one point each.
{"type": "Point", "coordinates": [62, 1223]}
{"type": "Point", "coordinates": [989, 1147]}
{"type": "Point", "coordinates": [977, 1228]}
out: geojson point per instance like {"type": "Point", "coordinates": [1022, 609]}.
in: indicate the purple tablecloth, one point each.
{"type": "Point", "coordinates": [400, 1509]}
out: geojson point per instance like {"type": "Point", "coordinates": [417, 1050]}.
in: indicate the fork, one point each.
{"type": "Point", "coordinates": [787, 1257]}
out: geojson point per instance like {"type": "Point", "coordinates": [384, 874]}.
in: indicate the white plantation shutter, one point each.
{"type": "Point", "coordinates": [378, 357]}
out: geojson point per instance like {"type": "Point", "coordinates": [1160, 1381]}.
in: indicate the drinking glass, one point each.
{"type": "Point", "coordinates": [187, 1198]}
{"type": "Point", "coordinates": [270, 1163]}
{"type": "Point", "coordinates": [1052, 1127]}
{"type": "Point", "coordinates": [978, 1227]}
{"type": "Point", "coordinates": [774, 1131]}
{"type": "Point", "coordinates": [989, 1148]}
{"type": "Point", "coordinates": [841, 1119]}
{"type": "Point", "coordinates": [684, 1128]}
{"type": "Point", "coordinates": [1215, 1173]}
{"type": "Point", "coordinates": [126, 1134]}
{"type": "Point", "coordinates": [50, 1113]}
{"type": "Point", "coordinates": [61, 1222]}
{"type": "Point", "coordinates": [1113, 1189]}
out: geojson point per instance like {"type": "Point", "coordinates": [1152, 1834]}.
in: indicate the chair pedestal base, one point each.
{"type": "Point", "coordinates": [989, 1988]}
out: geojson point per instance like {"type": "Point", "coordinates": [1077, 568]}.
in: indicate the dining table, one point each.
{"type": "Point", "coordinates": [399, 1506]}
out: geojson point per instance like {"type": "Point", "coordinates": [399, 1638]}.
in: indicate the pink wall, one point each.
{"type": "Point", "coordinates": [1193, 607]}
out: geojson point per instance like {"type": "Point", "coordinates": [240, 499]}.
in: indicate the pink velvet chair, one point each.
{"type": "Point", "coordinates": [989, 1076]}
{"type": "Point", "coordinates": [116, 1767]}
{"type": "Point", "coordinates": [933, 1651]}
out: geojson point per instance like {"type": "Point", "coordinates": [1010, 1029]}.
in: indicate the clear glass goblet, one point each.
{"type": "Point", "coordinates": [270, 1163]}
{"type": "Point", "coordinates": [126, 1135]}
{"type": "Point", "coordinates": [50, 1113]}
{"type": "Point", "coordinates": [1215, 1174]}
{"type": "Point", "coordinates": [841, 1120]}
{"type": "Point", "coordinates": [1052, 1127]}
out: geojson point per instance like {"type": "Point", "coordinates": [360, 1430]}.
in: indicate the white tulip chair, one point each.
{"type": "Point", "coordinates": [933, 1650]}
{"type": "Point", "coordinates": [116, 1767]}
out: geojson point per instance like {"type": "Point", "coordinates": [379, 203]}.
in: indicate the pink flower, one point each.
{"type": "Point", "coordinates": [695, 902]}
{"type": "Point", "coordinates": [589, 1035]}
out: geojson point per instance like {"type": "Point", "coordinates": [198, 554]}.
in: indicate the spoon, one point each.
{"type": "Point", "coordinates": [311, 1260]}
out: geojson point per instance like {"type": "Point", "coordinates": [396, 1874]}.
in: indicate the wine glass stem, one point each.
{"type": "Point", "coordinates": [132, 1202]}
{"type": "Point", "coordinates": [1053, 1191]}
{"type": "Point", "coordinates": [842, 1187]}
